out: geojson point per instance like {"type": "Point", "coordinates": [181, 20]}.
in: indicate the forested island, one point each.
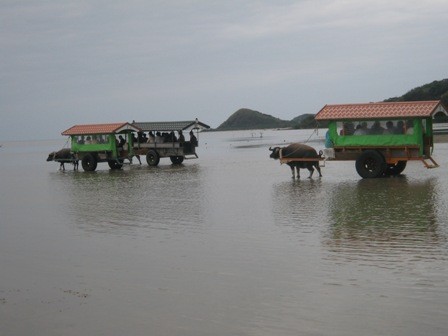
{"type": "Point", "coordinates": [245, 118]}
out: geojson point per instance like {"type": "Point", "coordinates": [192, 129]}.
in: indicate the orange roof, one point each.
{"type": "Point", "coordinates": [414, 109]}
{"type": "Point", "coordinates": [100, 129]}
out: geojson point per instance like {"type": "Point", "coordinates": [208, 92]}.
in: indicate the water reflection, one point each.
{"type": "Point", "coordinates": [385, 217]}
{"type": "Point", "coordinates": [298, 205]}
{"type": "Point", "coordinates": [136, 198]}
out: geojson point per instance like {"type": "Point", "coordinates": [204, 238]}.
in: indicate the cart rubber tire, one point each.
{"type": "Point", "coordinates": [89, 162]}
{"type": "Point", "coordinates": [152, 158]}
{"type": "Point", "coordinates": [395, 169]}
{"type": "Point", "coordinates": [371, 164]}
{"type": "Point", "coordinates": [114, 164]}
{"type": "Point", "coordinates": [177, 159]}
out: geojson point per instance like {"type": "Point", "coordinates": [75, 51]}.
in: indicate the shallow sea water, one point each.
{"type": "Point", "coordinates": [227, 244]}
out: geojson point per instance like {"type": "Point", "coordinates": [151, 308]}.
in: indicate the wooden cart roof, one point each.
{"type": "Point", "coordinates": [383, 110]}
{"type": "Point", "coordinates": [170, 125]}
{"type": "Point", "coordinates": [100, 129]}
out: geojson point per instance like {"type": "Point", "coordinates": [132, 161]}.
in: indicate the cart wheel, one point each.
{"type": "Point", "coordinates": [114, 164]}
{"type": "Point", "coordinates": [89, 163]}
{"type": "Point", "coordinates": [370, 164]}
{"type": "Point", "coordinates": [152, 158]}
{"type": "Point", "coordinates": [177, 159]}
{"type": "Point", "coordinates": [395, 169]}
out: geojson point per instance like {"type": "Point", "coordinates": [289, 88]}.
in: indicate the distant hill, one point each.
{"type": "Point", "coordinates": [306, 121]}
{"type": "Point", "coordinates": [437, 90]}
{"type": "Point", "coordinates": [245, 118]}
{"type": "Point", "coordinates": [249, 119]}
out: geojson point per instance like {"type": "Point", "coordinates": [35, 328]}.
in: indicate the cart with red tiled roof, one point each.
{"type": "Point", "coordinates": [381, 137]}
{"type": "Point", "coordinates": [94, 143]}
{"type": "Point", "coordinates": [115, 142]}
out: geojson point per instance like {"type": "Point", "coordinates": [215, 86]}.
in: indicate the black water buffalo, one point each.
{"type": "Point", "coordinates": [296, 151]}
{"type": "Point", "coordinates": [63, 156]}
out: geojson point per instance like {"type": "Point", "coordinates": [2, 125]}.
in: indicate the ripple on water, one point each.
{"type": "Point", "coordinates": [134, 199]}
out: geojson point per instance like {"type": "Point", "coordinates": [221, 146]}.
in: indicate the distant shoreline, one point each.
{"type": "Point", "coordinates": [440, 138]}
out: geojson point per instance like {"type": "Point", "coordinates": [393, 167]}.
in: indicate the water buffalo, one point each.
{"type": "Point", "coordinates": [62, 156]}
{"type": "Point", "coordinates": [296, 151]}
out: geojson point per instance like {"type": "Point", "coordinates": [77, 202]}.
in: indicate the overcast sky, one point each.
{"type": "Point", "coordinates": [75, 62]}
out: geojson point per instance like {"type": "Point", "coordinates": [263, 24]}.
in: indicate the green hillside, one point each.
{"type": "Point", "coordinates": [437, 90]}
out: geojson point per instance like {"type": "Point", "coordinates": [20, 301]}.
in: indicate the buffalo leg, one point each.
{"type": "Point", "coordinates": [318, 169]}
{"type": "Point", "coordinates": [292, 171]}
{"type": "Point", "coordinates": [311, 170]}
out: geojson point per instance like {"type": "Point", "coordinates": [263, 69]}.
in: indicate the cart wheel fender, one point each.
{"type": "Point", "coordinates": [371, 164]}
{"type": "Point", "coordinates": [152, 158]}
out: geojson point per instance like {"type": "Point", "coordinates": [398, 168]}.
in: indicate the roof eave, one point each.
{"type": "Point", "coordinates": [127, 127]}
{"type": "Point", "coordinates": [440, 108]}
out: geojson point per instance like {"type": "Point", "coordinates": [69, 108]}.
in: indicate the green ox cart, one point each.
{"type": "Point", "coordinates": [115, 142]}
{"type": "Point", "coordinates": [381, 137]}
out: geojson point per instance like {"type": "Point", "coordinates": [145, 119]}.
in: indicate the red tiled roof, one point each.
{"type": "Point", "coordinates": [99, 128]}
{"type": "Point", "coordinates": [381, 110]}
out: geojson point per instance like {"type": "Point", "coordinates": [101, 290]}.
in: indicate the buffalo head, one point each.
{"type": "Point", "coordinates": [275, 153]}
{"type": "Point", "coordinates": [51, 156]}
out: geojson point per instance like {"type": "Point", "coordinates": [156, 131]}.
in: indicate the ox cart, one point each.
{"type": "Point", "coordinates": [174, 140]}
{"type": "Point", "coordinates": [115, 142]}
{"type": "Point", "coordinates": [381, 137]}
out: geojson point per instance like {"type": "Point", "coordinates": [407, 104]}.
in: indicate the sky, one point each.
{"type": "Point", "coordinates": [78, 62]}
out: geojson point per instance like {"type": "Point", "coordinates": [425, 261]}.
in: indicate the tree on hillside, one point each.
{"type": "Point", "coordinates": [437, 90]}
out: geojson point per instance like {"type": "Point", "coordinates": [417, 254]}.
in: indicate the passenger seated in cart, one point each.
{"type": "Point", "coordinates": [193, 139]}
{"type": "Point", "coordinates": [390, 129]}
{"type": "Point", "coordinates": [400, 127]}
{"type": "Point", "coordinates": [172, 137]}
{"type": "Point", "coordinates": [377, 128]}
{"type": "Point", "coordinates": [141, 137]}
{"type": "Point", "coordinates": [121, 142]}
{"type": "Point", "coordinates": [159, 138]}
{"type": "Point", "coordinates": [181, 138]}
{"type": "Point", "coordinates": [151, 137]}
{"type": "Point", "coordinates": [361, 129]}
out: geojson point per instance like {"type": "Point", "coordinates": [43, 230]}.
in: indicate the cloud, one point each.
{"type": "Point", "coordinates": [269, 19]}
{"type": "Point", "coordinates": [178, 55]}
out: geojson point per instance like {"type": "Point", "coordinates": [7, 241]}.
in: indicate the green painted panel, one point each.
{"type": "Point", "coordinates": [375, 140]}
{"type": "Point", "coordinates": [414, 139]}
